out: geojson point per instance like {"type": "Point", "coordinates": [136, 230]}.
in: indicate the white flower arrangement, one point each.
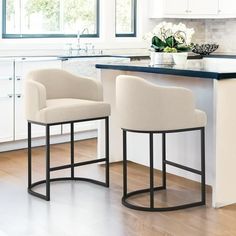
{"type": "Point", "coordinates": [169, 37]}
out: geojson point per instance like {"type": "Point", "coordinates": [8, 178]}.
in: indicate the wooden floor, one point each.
{"type": "Point", "coordinates": [84, 209]}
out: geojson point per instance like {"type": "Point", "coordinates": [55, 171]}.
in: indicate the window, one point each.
{"type": "Point", "coordinates": [126, 18]}
{"type": "Point", "coordinates": [50, 18]}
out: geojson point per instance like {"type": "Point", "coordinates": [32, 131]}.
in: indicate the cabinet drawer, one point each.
{"type": "Point", "coordinates": [6, 87]}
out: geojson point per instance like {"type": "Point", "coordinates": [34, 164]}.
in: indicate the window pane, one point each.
{"type": "Point", "coordinates": [13, 16]}
{"type": "Point", "coordinates": [79, 18]}
{"type": "Point", "coordinates": [40, 16]}
{"type": "Point", "coordinates": [50, 17]}
{"type": "Point", "coordinates": [125, 16]}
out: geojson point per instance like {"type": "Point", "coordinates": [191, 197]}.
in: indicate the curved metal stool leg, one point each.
{"type": "Point", "coordinates": [72, 165]}
{"type": "Point", "coordinates": [152, 189]}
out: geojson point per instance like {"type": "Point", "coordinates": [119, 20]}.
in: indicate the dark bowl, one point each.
{"type": "Point", "coordinates": [204, 49]}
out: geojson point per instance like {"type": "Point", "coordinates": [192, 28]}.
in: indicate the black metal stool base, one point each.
{"type": "Point", "coordinates": [35, 184]}
{"type": "Point", "coordinates": [126, 203]}
{"type": "Point", "coordinates": [70, 166]}
{"type": "Point", "coordinates": [127, 195]}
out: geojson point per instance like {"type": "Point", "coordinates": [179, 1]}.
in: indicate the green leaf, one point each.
{"type": "Point", "coordinates": [171, 42]}
{"type": "Point", "coordinates": [183, 48]}
{"type": "Point", "coordinates": [158, 42]}
{"type": "Point", "coordinates": [157, 49]}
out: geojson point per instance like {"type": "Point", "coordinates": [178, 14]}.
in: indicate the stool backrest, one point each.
{"type": "Point", "coordinates": [142, 105]}
{"type": "Point", "coordinates": [62, 84]}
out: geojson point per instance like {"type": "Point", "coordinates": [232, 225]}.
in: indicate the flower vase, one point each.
{"type": "Point", "coordinates": [180, 58]}
{"type": "Point", "coordinates": [161, 58]}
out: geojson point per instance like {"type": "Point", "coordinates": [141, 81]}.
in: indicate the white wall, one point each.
{"type": "Point", "coordinates": [107, 34]}
{"type": "Point", "coordinates": [222, 31]}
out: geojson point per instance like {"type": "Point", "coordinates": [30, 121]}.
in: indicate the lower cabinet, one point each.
{"type": "Point", "coordinates": [7, 100]}
{"type": "Point", "coordinates": [7, 122]}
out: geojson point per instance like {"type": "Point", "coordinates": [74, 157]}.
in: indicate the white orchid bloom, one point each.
{"type": "Point", "coordinates": [166, 29]}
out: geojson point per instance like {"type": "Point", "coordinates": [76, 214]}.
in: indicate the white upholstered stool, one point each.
{"type": "Point", "coordinates": [147, 108]}
{"type": "Point", "coordinates": [53, 97]}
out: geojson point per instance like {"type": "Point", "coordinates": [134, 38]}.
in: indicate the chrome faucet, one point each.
{"type": "Point", "coordinates": [79, 36]}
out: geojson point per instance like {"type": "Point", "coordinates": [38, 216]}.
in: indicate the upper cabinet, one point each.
{"type": "Point", "coordinates": [227, 8]}
{"type": "Point", "coordinates": [192, 9]}
{"type": "Point", "coordinates": [173, 7]}
{"type": "Point", "coordinates": [203, 7]}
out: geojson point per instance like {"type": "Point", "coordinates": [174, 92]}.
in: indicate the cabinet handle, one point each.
{"type": "Point", "coordinates": [189, 11]}
{"type": "Point", "coordinates": [6, 78]}
{"type": "Point", "coordinates": [18, 78]}
{"type": "Point", "coordinates": [7, 96]}
{"type": "Point", "coordinates": [18, 95]}
{"type": "Point", "coordinates": [219, 11]}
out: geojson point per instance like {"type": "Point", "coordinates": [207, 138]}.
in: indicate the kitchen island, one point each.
{"type": "Point", "coordinates": [213, 82]}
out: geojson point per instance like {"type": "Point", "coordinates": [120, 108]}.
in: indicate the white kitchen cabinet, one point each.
{"type": "Point", "coordinates": [173, 7]}
{"type": "Point", "coordinates": [6, 100]}
{"type": "Point", "coordinates": [227, 8]}
{"type": "Point", "coordinates": [202, 7]}
{"type": "Point", "coordinates": [155, 8]}
{"type": "Point", "coordinates": [184, 8]}
{"type": "Point", "coordinates": [22, 67]}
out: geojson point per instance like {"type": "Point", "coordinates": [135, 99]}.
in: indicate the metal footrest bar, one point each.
{"type": "Point", "coordinates": [39, 195]}
{"type": "Point", "coordinates": [61, 179]}
{"type": "Point", "coordinates": [77, 164]}
{"type": "Point", "coordinates": [152, 209]}
{"type": "Point", "coordinates": [152, 189]}
{"type": "Point", "coordinates": [198, 172]}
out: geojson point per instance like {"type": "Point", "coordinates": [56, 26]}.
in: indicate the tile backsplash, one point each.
{"type": "Point", "coordinates": [223, 32]}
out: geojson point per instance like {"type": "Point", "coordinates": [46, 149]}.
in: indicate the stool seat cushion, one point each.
{"type": "Point", "coordinates": [69, 109]}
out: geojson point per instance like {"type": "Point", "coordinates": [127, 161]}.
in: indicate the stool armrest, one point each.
{"type": "Point", "coordinates": [85, 88]}
{"type": "Point", "coordinates": [63, 84]}
{"type": "Point", "coordinates": [35, 98]}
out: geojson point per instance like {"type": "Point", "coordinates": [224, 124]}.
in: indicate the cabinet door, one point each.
{"type": "Point", "coordinates": [6, 124]}
{"type": "Point", "coordinates": [155, 8]}
{"type": "Point", "coordinates": [173, 7]}
{"type": "Point", "coordinates": [22, 68]}
{"type": "Point", "coordinates": [227, 7]}
{"type": "Point", "coordinates": [203, 7]}
{"type": "Point", "coordinates": [6, 101]}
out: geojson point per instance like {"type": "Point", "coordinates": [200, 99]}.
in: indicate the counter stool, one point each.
{"type": "Point", "coordinates": [55, 97]}
{"type": "Point", "coordinates": [147, 108]}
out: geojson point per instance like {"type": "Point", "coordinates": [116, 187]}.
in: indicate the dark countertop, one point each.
{"type": "Point", "coordinates": [193, 68]}
{"type": "Point", "coordinates": [222, 55]}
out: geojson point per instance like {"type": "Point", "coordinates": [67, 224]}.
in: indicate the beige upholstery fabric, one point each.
{"type": "Point", "coordinates": [144, 106]}
{"type": "Point", "coordinates": [54, 95]}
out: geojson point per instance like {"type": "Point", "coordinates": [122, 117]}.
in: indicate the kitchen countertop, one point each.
{"type": "Point", "coordinates": [141, 56]}
{"type": "Point", "coordinates": [67, 56]}
{"type": "Point", "coordinates": [132, 56]}
{"type": "Point", "coordinates": [193, 68]}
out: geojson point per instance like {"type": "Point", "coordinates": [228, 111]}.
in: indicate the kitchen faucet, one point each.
{"type": "Point", "coordinates": [79, 36]}
{"type": "Point", "coordinates": [78, 47]}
